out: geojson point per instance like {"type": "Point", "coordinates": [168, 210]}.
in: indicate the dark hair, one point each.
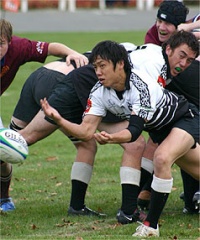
{"type": "Point", "coordinates": [174, 12]}
{"type": "Point", "coordinates": [182, 37]}
{"type": "Point", "coordinates": [110, 50]}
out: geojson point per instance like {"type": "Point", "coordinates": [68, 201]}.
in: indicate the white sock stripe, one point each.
{"type": "Point", "coordinates": [130, 175]}
{"type": "Point", "coordinates": [147, 164]}
{"type": "Point", "coordinates": [162, 185]}
{"type": "Point", "coordinates": [81, 171]}
{"type": "Point", "coordinates": [6, 178]}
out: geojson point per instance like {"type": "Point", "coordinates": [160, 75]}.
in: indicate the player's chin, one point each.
{"type": "Point", "coordinates": [163, 37]}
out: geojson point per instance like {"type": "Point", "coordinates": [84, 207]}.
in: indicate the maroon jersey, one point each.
{"type": "Point", "coordinates": [20, 51]}
{"type": "Point", "coordinates": [152, 36]}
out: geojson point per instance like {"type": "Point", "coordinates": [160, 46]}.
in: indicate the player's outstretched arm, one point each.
{"type": "Point", "coordinates": [61, 50]}
{"type": "Point", "coordinates": [189, 26]}
{"type": "Point", "coordinates": [103, 137]}
{"type": "Point", "coordinates": [49, 111]}
{"type": "Point", "coordinates": [83, 131]}
{"type": "Point", "coordinates": [79, 59]}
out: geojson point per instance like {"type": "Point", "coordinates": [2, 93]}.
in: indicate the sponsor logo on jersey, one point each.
{"type": "Point", "coordinates": [161, 81]}
{"type": "Point", "coordinates": [40, 47]}
{"type": "Point", "coordinates": [89, 105]}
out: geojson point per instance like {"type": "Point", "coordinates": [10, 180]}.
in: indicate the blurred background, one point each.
{"type": "Point", "coordinates": [72, 5]}
{"type": "Point", "coordinates": [84, 15]}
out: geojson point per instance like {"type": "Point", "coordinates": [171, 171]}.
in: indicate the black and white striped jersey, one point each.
{"type": "Point", "coordinates": [143, 97]}
{"type": "Point", "coordinates": [151, 59]}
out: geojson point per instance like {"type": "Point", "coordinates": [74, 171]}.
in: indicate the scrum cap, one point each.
{"type": "Point", "coordinates": [173, 12]}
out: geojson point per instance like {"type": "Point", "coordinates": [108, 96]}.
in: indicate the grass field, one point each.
{"type": "Point", "coordinates": [41, 186]}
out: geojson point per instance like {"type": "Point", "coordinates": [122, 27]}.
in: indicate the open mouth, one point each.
{"type": "Point", "coordinates": [101, 80]}
{"type": "Point", "coordinates": [162, 33]}
{"type": "Point", "coordinates": [178, 69]}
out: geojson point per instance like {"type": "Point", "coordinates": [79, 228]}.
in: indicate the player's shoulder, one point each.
{"type": "Point", "coordinates": [147, 51]}
{"type": "Point", "coordinates": [151, 47]}
{"type": "Point", "coordinates": [129, 46]}
{"type": "Point", "coordinates": [17, 39]}
{"type": "Point", "coordinates": [19, 43]}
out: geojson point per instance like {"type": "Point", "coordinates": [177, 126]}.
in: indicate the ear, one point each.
{"type": "Point", "coordinates": [168, 49]}
{"type": "Point", "coordinates": [121, 64]}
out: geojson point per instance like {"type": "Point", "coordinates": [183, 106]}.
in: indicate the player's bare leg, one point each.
{"type": "Point", "coordinates": [168, 152]}
{"type": "Point", "coordinates": [190, 162]}
{"type": "Point", "coordinates": [37, 129]}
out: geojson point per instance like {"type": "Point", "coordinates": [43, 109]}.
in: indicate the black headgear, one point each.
{"type": "Point", "coordinates": [173, 12]}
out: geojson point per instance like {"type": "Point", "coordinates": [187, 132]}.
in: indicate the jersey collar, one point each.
{"type": "Point", "coordinates": [2, 61]}
{"type": "Point", "coordinates": [127, 85]}
{"type": "Point", "coordinates": [167, 63]}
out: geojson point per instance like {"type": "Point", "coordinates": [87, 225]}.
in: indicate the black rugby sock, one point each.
{"type": "Point", "coordinates": [5, 184]}
{"type": "Point", "coordinates": [145, 180]}
{"type": "Point", "coordinates": [78, 194]}
{"type": "Point", "coordinates": [157, 204]}
{"type": "Point", "coordinates": [190, 186]}
{"type": "Point", "coordinates": [129, 198]}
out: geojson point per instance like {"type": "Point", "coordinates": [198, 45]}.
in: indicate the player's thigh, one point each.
{"type": "Point", "coordinates": [38, 129]}
{"type": "Point", "coordinates": [175, 145]}
{"type": "Point", "coordinates": [19, 123]}
{"type": "Point", "coordinates": [150, 148]}
{"type": "Point", "coordinates": [190, 162]}
{"type": "Point", "coordinates": [133, 150]}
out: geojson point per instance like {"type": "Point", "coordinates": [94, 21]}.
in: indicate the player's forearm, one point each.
{"type": "Point", "coordinates": [59, 50]}
{"type": "Point", "coordinates": [75, 130]}
{"type": "Point", "coordinates": [123, 136]}
{"type": "Point", "coordinates": [189, 26]}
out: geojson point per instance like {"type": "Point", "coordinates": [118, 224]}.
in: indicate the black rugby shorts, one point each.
{"type": "Point", "coordinates": [39, 84]}
{"type": "Point", "coordinates": [189, 123]}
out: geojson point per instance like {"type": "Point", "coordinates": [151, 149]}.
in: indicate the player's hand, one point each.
{"type": "Point", "coordinates": [103, 137]}
{"type": "Point", "coordinates": [183, 26]}
{"type": "Point", "coordinates": [79, 59]}
{"type": "Point", "coordinates": [50, 111]}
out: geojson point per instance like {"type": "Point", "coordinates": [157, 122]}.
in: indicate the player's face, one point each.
{"type": "Point", "coordinates": [108, 76]}
{"type": "Point", "coordinates": [3, 47]}
{"type": "Point", "coordinates": [179, 58]}
{"type": "Point", "coordinates": [165, 29]}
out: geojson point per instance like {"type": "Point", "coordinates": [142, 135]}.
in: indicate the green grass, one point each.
{"type": "Point", "coordinates": [41, 186]}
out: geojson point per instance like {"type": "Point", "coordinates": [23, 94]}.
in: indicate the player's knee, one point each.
{"type": "Point", "coordinates": [161, 159]}
{"type": "Point", "coordinates": [89, 146]}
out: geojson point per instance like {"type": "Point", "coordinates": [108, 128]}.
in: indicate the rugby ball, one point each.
{"type": "Point", "coordinates": [13, 147]}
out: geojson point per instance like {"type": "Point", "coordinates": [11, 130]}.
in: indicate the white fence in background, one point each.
{"type": "Point", "coordinates": [70, 5]}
